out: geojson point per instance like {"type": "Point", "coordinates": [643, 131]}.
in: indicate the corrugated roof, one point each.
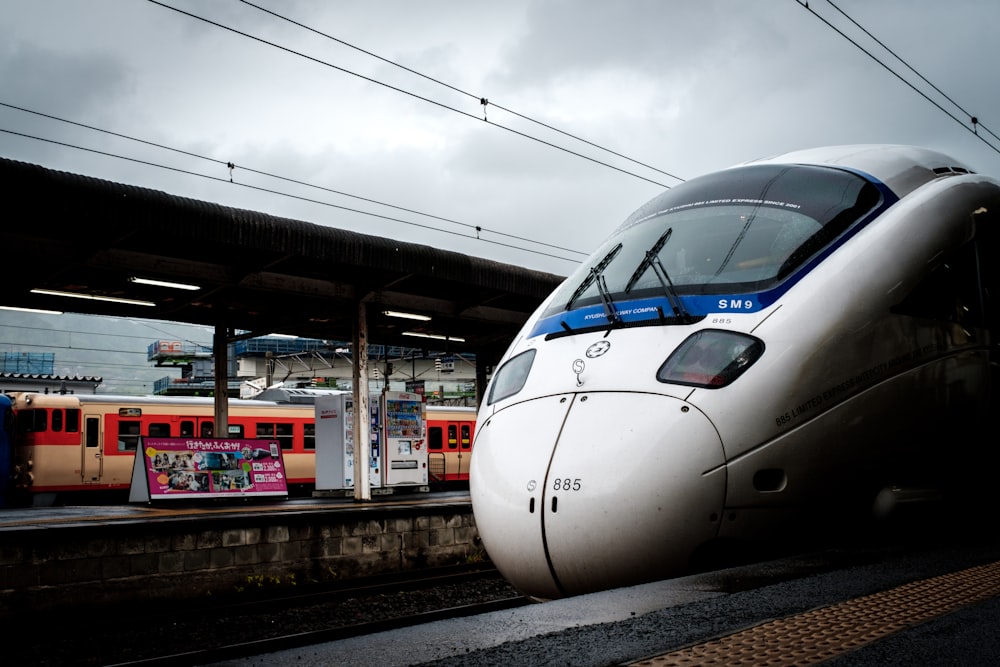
{"type": "Point", "coordinates": [257, 272]}
{"type": "Point", "coordinates": [52, 378]}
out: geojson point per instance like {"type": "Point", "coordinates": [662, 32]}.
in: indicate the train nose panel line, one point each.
{"type": "Point", "coordinates": [557, 526]}
{"type": "Point", "coordinates": [590, 535]}
{"type": "Point", "coordinates": [508, 489]}
{"type": "Point", "coordinates": [573, 400]}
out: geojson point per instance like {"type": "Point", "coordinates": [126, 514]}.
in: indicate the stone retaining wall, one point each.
{"type": "Point", "coordinates": [47, 568]}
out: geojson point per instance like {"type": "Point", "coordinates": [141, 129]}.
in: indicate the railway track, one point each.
{"type": "Point", "coordinates": [298, 640]}
{"type": "Point", "coordinates": [206, 633]}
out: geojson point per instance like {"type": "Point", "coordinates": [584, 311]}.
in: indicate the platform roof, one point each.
{"type": "Point", "coordinates": [255, 272]}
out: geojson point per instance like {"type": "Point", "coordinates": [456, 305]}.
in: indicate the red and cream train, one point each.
{"type": "Point", "coordinates": [79, 443]}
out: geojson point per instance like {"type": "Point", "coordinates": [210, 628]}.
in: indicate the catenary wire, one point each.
{"type": "Point", "coordinates": [477, 228]}
{"type": "Point", "coordinates": [105, 333]}
{"type": "Point", "coordinates": [283, 194]}
{"type": "Point", "coordinates": [910, 67]}
{"type": "Point", "coordinates": [82, 364]}
{"type": "Point", "coordinates": [805, 5]}
{"type": "Point", "coordinates": [483, 100]}
{"type": "Point", "coordinates": [406, 92]}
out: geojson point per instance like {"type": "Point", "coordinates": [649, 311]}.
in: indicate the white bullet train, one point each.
{"type": "Point", "coordinates": [747, 351]}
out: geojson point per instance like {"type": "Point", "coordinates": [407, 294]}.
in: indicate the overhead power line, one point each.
{"type": "Point", "coordinates": [973, 121]}
{"type": "Point", "coordinates": [105, 334]}
{"type": "Point", "coordinates": [482, 99]}
{"type": "Point", "coordinates": [404, 92]}
{"type": "Point", "coordinates": [976, 123]}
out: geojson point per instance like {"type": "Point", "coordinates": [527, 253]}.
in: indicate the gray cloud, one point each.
{"type": "Point", "coordinates": [684, 87]}
{"type": "Point", "coordinates": [687, 87]}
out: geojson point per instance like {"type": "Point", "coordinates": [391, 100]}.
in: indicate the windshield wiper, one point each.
{"type": "Point", "coordinates": [749, 221]}
{"type": "Point", "coordinates": [653, 251]}
{"type": "Point", "coordinates": [652, 260]}
{"type": "Point", "coordinates": [596, 271]}
{"type": "Point", "coordinates": [609, 304]}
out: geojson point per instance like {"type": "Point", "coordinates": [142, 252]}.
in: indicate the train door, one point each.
{"type": "Point", "coordinates": [443, 451]}
{"type": "Point", "coordinates": [451, 471]}
{"type": "Point", "coordinates": [459, 449]}
{"type": "Point", "coordinates": [6, 447]}
{"type": "Point", "coordinates": [449, 445]}
{"type": "Point", "coordinates": [437, 460]}
{"type": "Point", "coordinates": [92, 467]}
{"type": "Point", "coordinates": [464, 449]}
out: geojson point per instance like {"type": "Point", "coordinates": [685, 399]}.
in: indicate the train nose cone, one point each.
{"type": "Point", "coordinates": [584, 492]}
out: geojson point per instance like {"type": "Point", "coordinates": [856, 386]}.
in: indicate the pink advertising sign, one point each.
{"type": "Point", "coordinates": [211, 468]}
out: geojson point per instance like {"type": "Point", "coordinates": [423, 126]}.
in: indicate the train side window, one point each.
{"type": "Point", "coordinates": [159, 430]}
{"type": "Point", "coordinates": [207, 429]}
{"type": "Point", "coordinates": [309, 436]}
{"type": "Point", "coordinates": [280, 432]}
{"type": "Point", "coordinates": [265, 431]}
{"type": "Point", "coordinates": [452, 437]}
{"type": "Point", "coordinates": [73, 421]}
{"type": "Point", "coordinates": [187, 429]}
{"type": "Point", "coordinates": [41, 420]}
{"type": "Point", "coordinates": [32, 421]}
{"type": "Point", "coordinates": [128, 436]}
{"type": "Point", "coordinates": [236, 431]}
{"type": "Point", "coordinates": [285, 435]}
{"type": "Point", "coordinates": [949, 293]}
{"type": "Point", "coordinates": [435, 438]}
{"type": "Point", "coordinates": [92, 438]}
{"type": "Point", "coordinates": [57, 420]}
{"type": "Point", "coordinates": [466, 438]}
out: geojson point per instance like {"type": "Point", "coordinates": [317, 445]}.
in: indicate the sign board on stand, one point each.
{"type": "Point", "coordinates": [173, 468]}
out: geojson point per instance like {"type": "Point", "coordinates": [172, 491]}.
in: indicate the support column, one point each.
{"type": "Point", "coordinates": [220, 352]}
{"type": "Point", "coordinates": [482, 360]}
{"type": "Point", "coordinates": [362, 411]}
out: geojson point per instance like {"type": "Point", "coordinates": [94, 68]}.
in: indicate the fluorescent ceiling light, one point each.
{"type": "Point", "coordinates": [434, 336]}
{"type": "Point", "coordinates": [32, 310]}
{"type": "Point", "coordinates": [406, 316]}
{"type": "Point", "coordinates": [93, 297]}
{"type": "Point", "coordinates": [162, 283]}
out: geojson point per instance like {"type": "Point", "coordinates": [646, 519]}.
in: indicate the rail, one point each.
{"type": "Point", "coordinates": [206, 632]}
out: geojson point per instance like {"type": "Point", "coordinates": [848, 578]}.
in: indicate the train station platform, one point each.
{"type": "Point", "coordinates": [59, 557]}
{"type": "Point", "coordinates": [903, 604]}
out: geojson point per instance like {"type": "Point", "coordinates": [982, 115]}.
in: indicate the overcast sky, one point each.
{"type": "Point", "coordinates": [682, 88]}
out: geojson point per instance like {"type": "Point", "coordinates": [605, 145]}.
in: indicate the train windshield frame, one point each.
{"type": "Point", "coordinates": [743, 230]}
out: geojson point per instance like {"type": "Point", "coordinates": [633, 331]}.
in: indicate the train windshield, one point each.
{"type": "Point", "coordinates": [738, 231]}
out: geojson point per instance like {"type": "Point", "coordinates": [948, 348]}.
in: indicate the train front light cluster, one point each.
{"type": "Point", "coordinates": [510, 378]}
{"type": "Point", "coordinates": [711, 359]}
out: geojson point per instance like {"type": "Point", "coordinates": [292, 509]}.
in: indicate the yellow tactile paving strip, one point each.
{"type": "Point", "coordinates": [821, 634]}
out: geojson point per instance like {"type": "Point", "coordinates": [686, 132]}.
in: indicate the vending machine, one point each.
{"type": "Point", "coordinates": [335, 444]}
{"type": "Point", "coordinates": [403, 439]}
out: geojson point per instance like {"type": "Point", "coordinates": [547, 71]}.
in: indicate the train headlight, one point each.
{"type": "Point", "coordinates": [711, 359]}
{"type": "Point", "coordinates": [510, 378]}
